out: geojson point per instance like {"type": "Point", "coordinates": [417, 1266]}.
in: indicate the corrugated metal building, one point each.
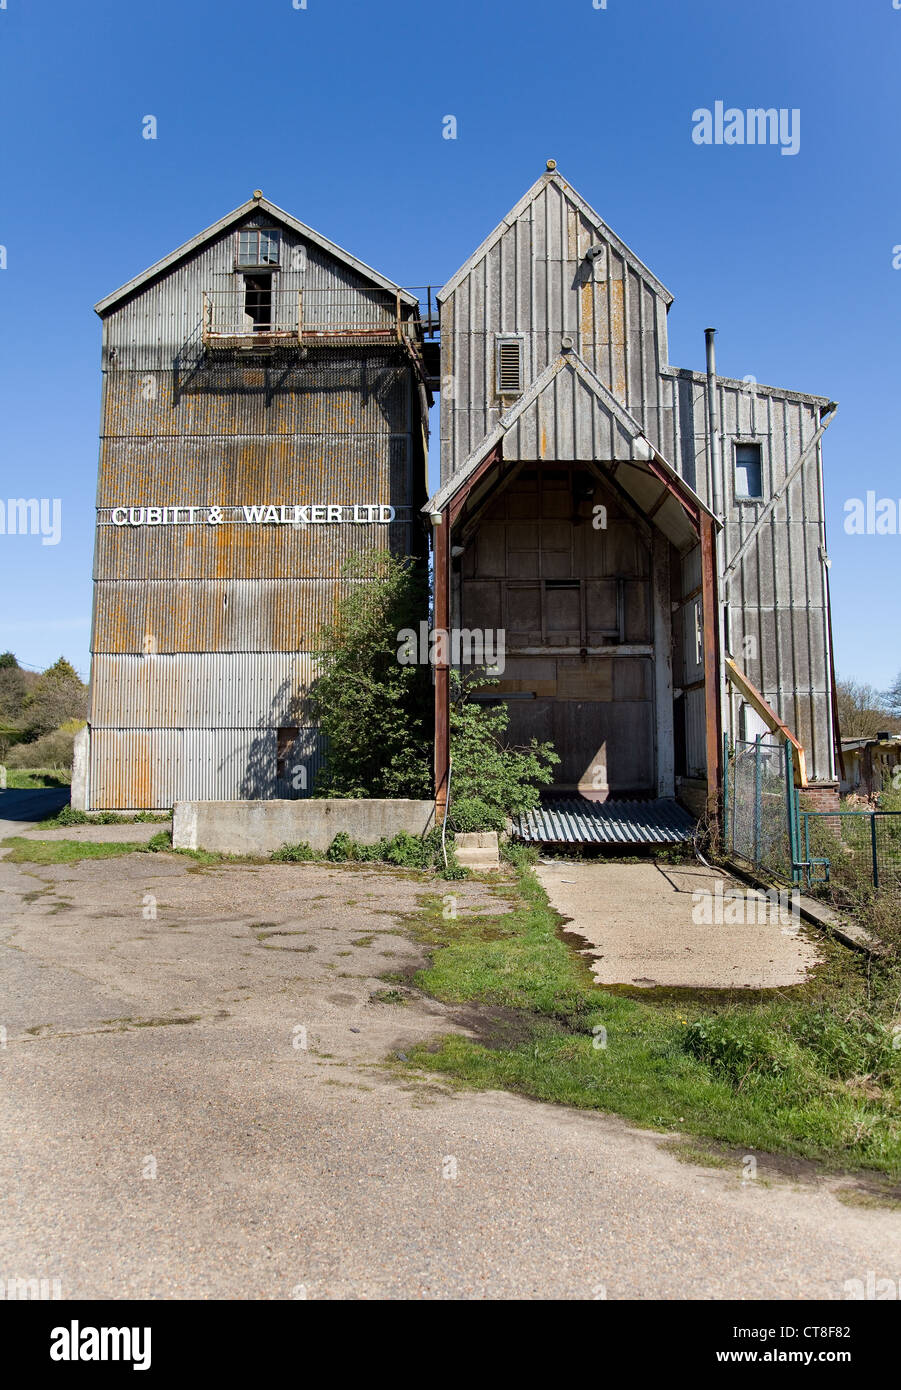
{"type": "Point", "coordinates": [264, 415]}
{"type": "Point", "coordinates": [628, 524]}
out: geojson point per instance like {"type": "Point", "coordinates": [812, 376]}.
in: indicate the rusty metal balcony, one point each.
{"type": "Point", "coordinates": [254, 317]}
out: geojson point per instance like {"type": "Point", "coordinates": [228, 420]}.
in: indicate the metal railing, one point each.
{"type": "Point", "coordinates": [306, 317]}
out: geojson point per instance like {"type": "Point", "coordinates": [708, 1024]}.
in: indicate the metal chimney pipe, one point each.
{"type": "Point", "coordinates": [715, 498]}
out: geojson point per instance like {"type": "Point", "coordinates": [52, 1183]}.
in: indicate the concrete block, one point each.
{"type": "Point", "coordinates": [78, 799]}
{"type": "Point", "coordinates": [477, 850]}
{"type": "Point", "coordinates": [259, 827]}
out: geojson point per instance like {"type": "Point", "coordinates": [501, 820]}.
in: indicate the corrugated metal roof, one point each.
{"type": "Point", "coordinates": [575, 821]}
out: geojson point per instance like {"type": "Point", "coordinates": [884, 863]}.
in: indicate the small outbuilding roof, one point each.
{"type": "Point", "coordinates": [254, 204]}
{"type": "Point", "coordinates": [888, 740]}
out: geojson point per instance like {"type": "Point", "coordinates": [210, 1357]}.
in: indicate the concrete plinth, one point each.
{"type": "Point", "coordinates": [259, 827]}
{"type": "Point", "coordinates": [477, 850]}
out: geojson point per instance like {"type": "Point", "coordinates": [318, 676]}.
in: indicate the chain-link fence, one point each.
{"type": "Point", "coordinates": [839, 846]}
{"type": "Point", "coordinates": [759, 805]}
{"type": "Point", "coordinates": [766, 828]}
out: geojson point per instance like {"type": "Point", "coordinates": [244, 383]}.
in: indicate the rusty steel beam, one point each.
{"type": "Point", "coordinates": [761, 705]}
{"type": "Point", "coordinates": [713, 714]}
{"type": "Point", "coordinates": [441, 534]}
{"type": "Point", "coordinates": [458, 501]}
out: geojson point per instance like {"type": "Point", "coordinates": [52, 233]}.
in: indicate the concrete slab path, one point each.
{"type": "Point", "coordinates": [645, 924]}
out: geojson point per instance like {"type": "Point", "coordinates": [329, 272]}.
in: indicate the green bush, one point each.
{"type": "Point", "coordinates": [473, 813]}
{"type": "Point", "coordinates": [343, 848]}
{"type": "Point", "coordinates": [300, 853]}
{"type": "Point", "coordinates": [737, 1046]}
{"type": "Point", "coordinates": [409, 851]}
{"type": "Point", "coordinates": [375, 712]}
{"type": "Point", "coordinates": [70, 816]}
{"type": "Point", "coordinates": [49, 751]}
{"type": "Point", "coordinates": [404, 850]}
{"type": "Point", "coordinates": [161, 841]}
{"type": "Point", "coordinates": [854, 1045]}
{"type": "Point", "coordinates": [520, 856]}
{"type": "Point", "coordinates": [490, 780]}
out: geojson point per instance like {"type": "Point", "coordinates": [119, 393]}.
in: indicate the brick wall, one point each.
{"type": "Point", "coordinates": [820, 796]}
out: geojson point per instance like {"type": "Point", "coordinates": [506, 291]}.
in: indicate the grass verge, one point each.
{"type": "Point", "coordinates": [809, 1071]}
{"type": "Point", "coordinates": [22, 851]}
{"type": "Point", "coordinates": [34, 778]}
{"type": "Point", "coordinates": [70, 816]}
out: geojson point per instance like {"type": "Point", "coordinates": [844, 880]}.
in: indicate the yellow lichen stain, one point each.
{"type": "Point", "coordinates": [618, 318]}
{"type": "Point", "coordinates": [587, 324]}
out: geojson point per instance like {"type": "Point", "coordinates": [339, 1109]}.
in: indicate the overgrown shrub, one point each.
{"type": "Point", "coordinates": [49, 751]}
{"type": "Point", "coordinates": [403, 849]}
{"type": "Point", "coordinates": [300, 853]}
{"type": "Point", "coordinates": [70, 816]}
{"type": "Point", "coordinates": [737, 1046]}
{"type": "Point", "coordinates": [850, 1045]}
{"type": "Point", "coordinates": [491, 780]}
{"type": "Point", "coordinates": [375, 713]}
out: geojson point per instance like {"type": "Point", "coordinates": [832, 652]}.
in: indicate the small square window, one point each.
{"type": "Point", "coordinates": [258, 246]}
{"type": "Point", "coordinates": [509, 366]}
{"type": "Point", "coordinates": [748, 471]}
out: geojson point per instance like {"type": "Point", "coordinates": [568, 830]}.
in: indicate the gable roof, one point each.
{"type": "Point", "coordinates": [614, 437]}
{"type": "Point", "coordinates": [278, 215]}
{"type": "Point", "coordinates": [588, 212]}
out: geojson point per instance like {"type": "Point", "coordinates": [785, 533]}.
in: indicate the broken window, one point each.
{"type": "Point", "coordinates": [258, 301]}
{"type": "Point", "coordinates": [258, 246]}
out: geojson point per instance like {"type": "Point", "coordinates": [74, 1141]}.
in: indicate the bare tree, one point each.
{"type": "Point", "coordinates": [892, 696]}
{"type": "Point", "coordinates": [862, 711]}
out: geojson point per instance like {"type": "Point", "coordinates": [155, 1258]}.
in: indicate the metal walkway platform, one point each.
{"type": "Point", "coordinates": [575, 821]}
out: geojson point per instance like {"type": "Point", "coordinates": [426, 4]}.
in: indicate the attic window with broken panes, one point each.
{"type": "Point", "coordinates": [258, 246]}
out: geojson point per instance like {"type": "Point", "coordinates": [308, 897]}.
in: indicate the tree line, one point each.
{"type": "Point", "coordinates": [40, 713]}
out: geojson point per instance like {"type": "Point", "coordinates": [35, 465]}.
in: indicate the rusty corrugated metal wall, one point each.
{"type": "Point", "coordinates": [203, 633]}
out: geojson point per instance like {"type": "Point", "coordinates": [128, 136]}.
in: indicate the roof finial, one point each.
{"type": "Point", "coordinates": [551, 164]}
{"type": "Point", "coordinates": [258, 193]}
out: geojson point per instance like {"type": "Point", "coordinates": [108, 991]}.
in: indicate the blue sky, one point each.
{"type": "Point", "coordinates": [336, 111]}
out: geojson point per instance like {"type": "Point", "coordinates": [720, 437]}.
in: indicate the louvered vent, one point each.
{"type": "Point", "coordinates": [509, 366]}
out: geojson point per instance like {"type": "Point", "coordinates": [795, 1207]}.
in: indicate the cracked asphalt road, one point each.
{"type": "Point", "coordinates": [195, 1104]}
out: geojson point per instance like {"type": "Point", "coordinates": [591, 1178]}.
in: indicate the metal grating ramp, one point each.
{"type": "Point", "coordinates": [574, 821]}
